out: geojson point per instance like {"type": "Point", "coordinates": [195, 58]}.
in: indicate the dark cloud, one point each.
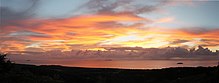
{"type": "Point", "coordinates": [199, 30]}
{"type": "Point", "coordinates": [103, 5]}
{"type": "Point", "coordinates": [210, 40]}
{"type": "Point", "coordinates": [21, 37]}
{"type": "Point", "coordinates": [118, 6]}
{"type": "Point", "coordinates": [10, 16]}
{"type": "Point", "coordinates": [125, 48]}
{"type": "Point", "coordinates": [71, 33]}
{"type": "Point", "coordinates": [111, 24]}
{"type": "Point", "coordinates": [179, 41]}
{"type": "Point", "coordinates": [9, 38]}
{"type": "Point", "coordinates": [210, 44]}
{"type": "Point", "coordinates": [81, 46]}
{"type": "Point", "coordinates": [28, 34]}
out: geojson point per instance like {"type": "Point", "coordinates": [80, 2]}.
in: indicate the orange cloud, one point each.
{"type": "Point", "coordinates": [165, 20]}
{"type": "Point", "coordinates": [96, 31]}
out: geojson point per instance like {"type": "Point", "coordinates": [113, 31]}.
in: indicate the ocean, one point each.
{"type": "Point", "coordinates": [123, 64]}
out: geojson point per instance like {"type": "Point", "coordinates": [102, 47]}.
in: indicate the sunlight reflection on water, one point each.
{"type": "Point", "coordinates": [124, 64]}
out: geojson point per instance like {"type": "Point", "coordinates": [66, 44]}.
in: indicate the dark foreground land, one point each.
{"type": "Point", "coordinates": [20, 73]}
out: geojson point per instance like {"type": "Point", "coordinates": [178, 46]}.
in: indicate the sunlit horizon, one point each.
{"type": "Point", "coordinates": [68, 25]}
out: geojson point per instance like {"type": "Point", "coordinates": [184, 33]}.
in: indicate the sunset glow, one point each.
{"type": "Point", "coordinates": [119, 26]}
{"type": "Point", "coordinates": [109, 41]}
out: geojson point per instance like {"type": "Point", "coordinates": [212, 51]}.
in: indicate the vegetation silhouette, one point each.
{"type": "Point", "coordinates": [5, 64]}
{"type": "Point", "coordinates": [12, 73]}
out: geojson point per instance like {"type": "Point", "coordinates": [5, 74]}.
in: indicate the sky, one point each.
{"type": "Point", "coordinates": [45, 25]}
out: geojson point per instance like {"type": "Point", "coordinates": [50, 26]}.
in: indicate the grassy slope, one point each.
{"type": "Point", "coordinates": [58, 74]}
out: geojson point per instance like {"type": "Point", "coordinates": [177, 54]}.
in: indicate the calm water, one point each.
{"type": "Point", "coordinates": [124, 64]}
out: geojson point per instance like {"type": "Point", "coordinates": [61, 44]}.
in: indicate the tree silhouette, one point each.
{"type": "Point", "coordinates": [3, 58]}
{"type": "Point", "coordinates": [5, 64]}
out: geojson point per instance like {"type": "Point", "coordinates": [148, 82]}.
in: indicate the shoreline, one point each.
{"type": "Point", "coordinates": [26, 73]}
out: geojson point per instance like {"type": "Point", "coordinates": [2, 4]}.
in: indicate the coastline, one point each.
{"type": "Point", "coordinates": [61, 74]}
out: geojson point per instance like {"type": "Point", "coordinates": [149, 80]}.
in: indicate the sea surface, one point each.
{"type": "Point", "coordinates": [123, 64]}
